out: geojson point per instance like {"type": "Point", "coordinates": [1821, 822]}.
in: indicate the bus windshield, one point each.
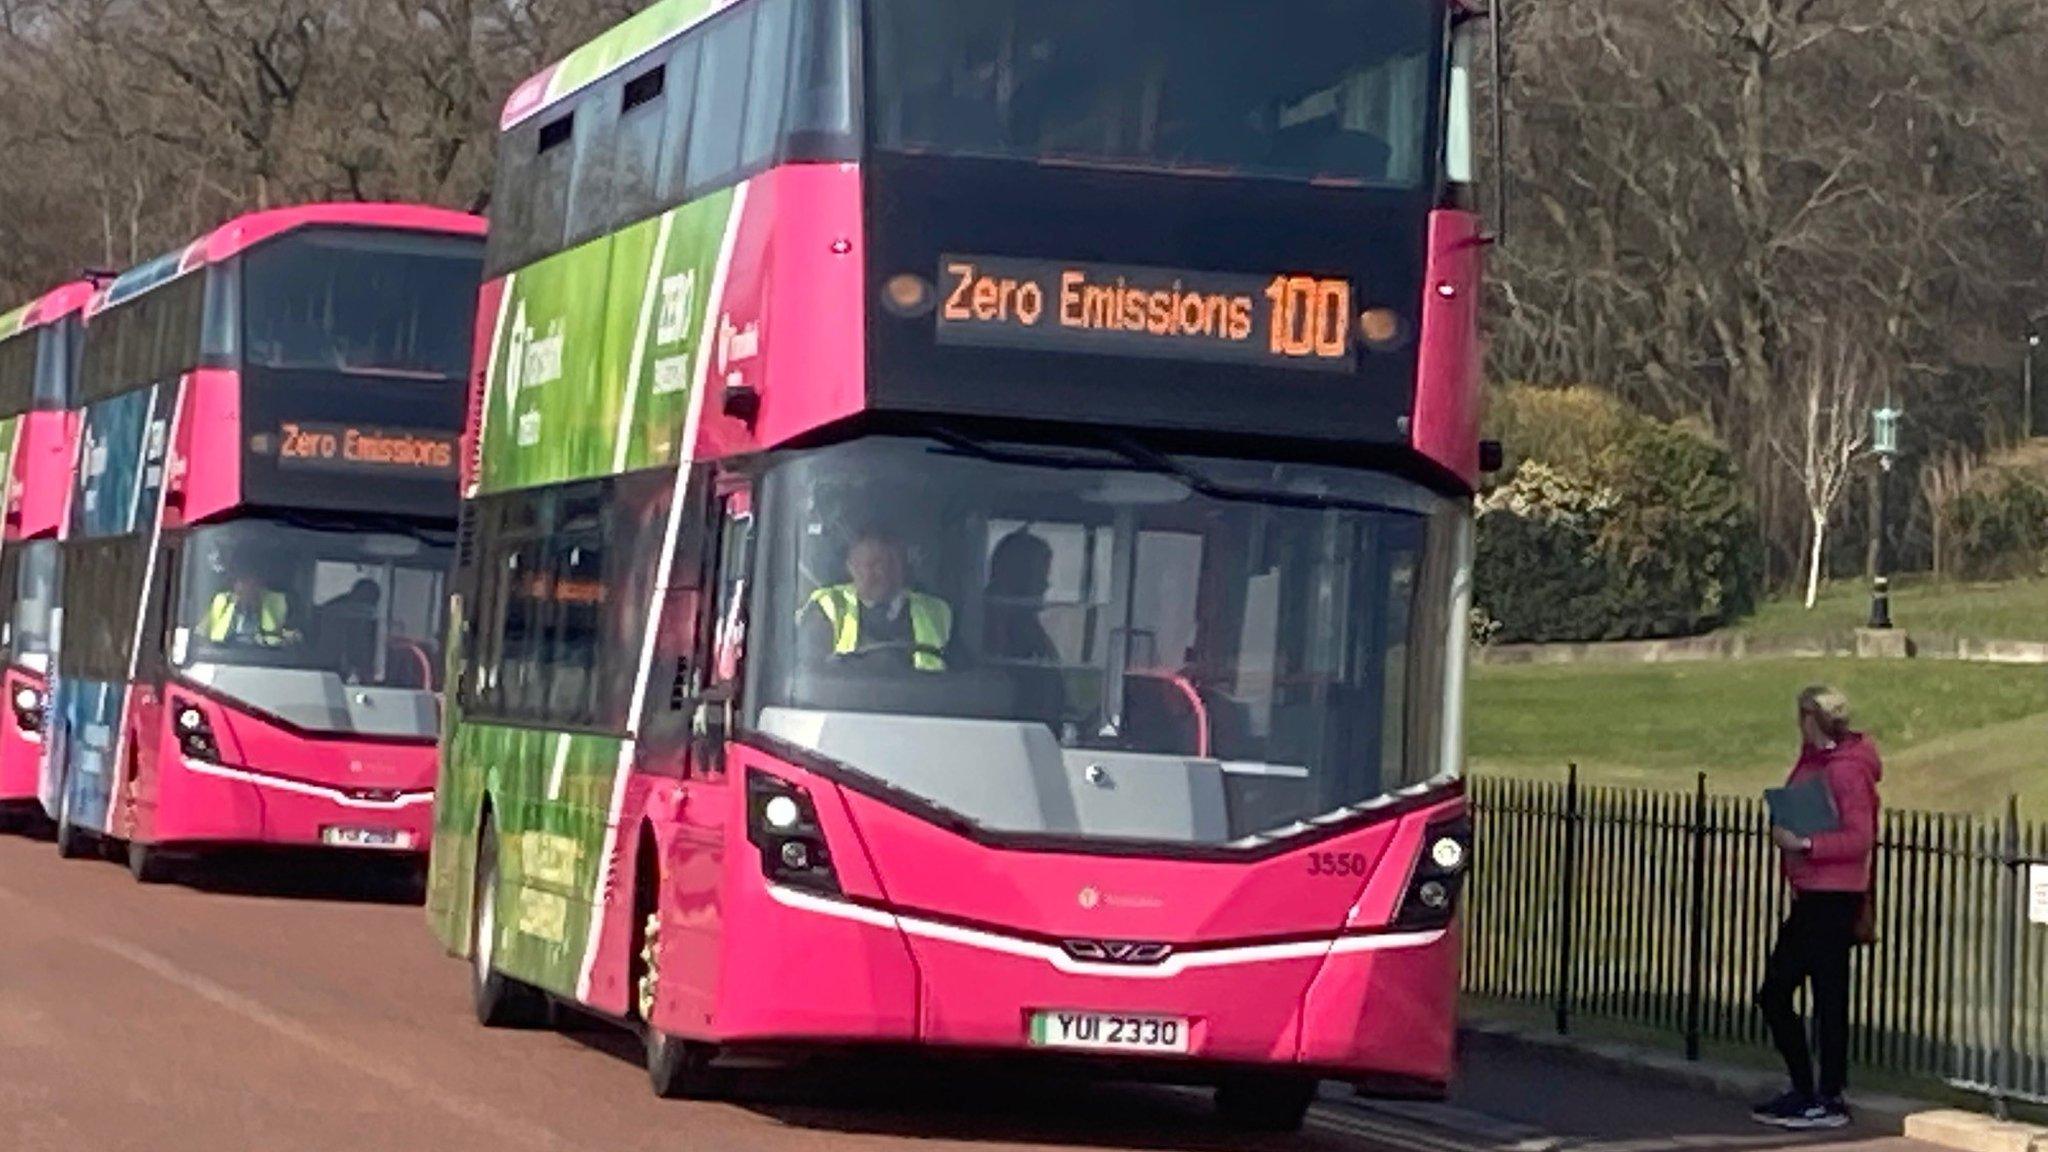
{"type": "Point", "coordinates": [1067, 642]}
{"type": "Point", "coordinates": [363, 302]}
{"type": "Point", "coordinates": [298, 620]}
{"type": "Point", "coordinates": [1342, 90]}
{"type": "Point", "coordinates": [29, 572]}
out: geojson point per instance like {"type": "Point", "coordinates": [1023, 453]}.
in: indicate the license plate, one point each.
{"type": "Point", "coordinates": [1109, 1032]}
{"type": "Point", "coordinates": [366, 838]}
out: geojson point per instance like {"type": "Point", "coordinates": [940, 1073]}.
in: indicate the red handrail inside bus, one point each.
{"type": "Point", "coordinates": [419, 653]}
{"type": "Point", "coordinates": [1194, 699]}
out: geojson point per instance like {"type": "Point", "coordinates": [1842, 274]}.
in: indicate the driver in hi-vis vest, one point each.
{"type": "Point", "coordinates": [875, 611]}
{"type": "Point", "coordinates": [249, 613]}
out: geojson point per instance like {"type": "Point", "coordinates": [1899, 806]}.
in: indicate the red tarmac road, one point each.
{"type": "Point", "coordinates": [294, 1013]}
{"type": "Point", "coordinates": [277, 1007]}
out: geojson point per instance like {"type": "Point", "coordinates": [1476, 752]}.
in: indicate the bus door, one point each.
{"type": "Point", "coordinates": [696, 853]}
{"type": "Point", "coordinates": [156, 647]}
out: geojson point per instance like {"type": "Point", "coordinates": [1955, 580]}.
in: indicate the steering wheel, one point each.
{"type": "Point", "coordinates": [912, 647]}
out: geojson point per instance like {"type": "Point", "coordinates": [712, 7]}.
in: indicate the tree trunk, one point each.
{"type": "Point", "coordinates": [1820, 537]}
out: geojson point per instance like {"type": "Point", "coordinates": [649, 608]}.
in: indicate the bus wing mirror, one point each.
{"type": "Point", "coordinates": [710, 728]}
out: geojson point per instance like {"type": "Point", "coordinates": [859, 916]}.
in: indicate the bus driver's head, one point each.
{"type": "Point", "coordinates": [878, 566]}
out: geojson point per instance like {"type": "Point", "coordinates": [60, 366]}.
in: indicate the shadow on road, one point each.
{"type": "Point", "coordinates": [330, 876]}
{"type": "Point", "coordinates": [26, 822]}
{"type": "Point", "coordinates": [977, 1101]}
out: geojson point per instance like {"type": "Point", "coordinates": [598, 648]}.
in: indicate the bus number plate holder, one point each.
{"type": "Point", "coordinates": [390, 839]}
{"type": "Point", "coordinates": [1110, 1032]}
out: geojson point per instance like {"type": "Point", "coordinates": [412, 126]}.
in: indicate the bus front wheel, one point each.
{"type": "Point", "coordinates": [149, 865]}
{"type": "Point", "coordinates": [678, 1069]}
{"type": "Point", "coordinates": [499, 1000]}
{"type": "Point", "coordinates": [1265, 1105]}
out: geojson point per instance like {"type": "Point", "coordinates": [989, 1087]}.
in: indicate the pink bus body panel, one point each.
{"type": "Point", "coordinates": [1447, 381]}
{"type": "Point", "coordinates": [946, 942]}
{"type": "Point", "coordinates": [798, 271]}
{"type": "Point", "coordinates": [21, 751]}
{"type": "Point", "coordinates": [305, 783]}
{"type": "Point", "coordinates": [43, 454]}
{"type": "Point", "coordinates": [209, 430]}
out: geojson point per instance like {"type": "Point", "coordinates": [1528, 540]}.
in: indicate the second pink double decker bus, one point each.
{"type": "Point", "coordinates": [255, 551]}
{"type": "Point", "coordinates": [38, 365]}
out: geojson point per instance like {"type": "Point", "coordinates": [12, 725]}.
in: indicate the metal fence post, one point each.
{"type": "Point", "coordinates": [1696, 940]}
{"type": "Point", "coordinates": [1567, 904]}
{"type": "Point", "coordinates": [2009, 895]}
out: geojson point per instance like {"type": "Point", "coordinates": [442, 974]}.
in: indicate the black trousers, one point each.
{"type": "Point", "coordinates": [1813, 945]}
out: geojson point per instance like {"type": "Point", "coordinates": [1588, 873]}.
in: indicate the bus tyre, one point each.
{"type": "Point", "coordinates": [72, 841]}
{"type": "Point", "coordinates": [148, 865]}
{"type": "Point", "coordinates": [678, 1069]}
{"type": "Point", "coordinates": [500, 1001]}
{"type": "Point", "coordinates": [1265, 1105]}
{"type": "Point", "coordinates": [682, 1069]}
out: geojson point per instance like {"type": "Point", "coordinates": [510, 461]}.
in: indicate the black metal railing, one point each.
{"type": "Point", "coordinates": [1657, 908]}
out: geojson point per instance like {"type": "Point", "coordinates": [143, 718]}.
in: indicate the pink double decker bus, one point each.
{"type": "Point", "coordinates": [255, 549]}
{"type": "Point", "coordinates": [38, 362]}
{"type": "Point", "coordinates": [967, 539]}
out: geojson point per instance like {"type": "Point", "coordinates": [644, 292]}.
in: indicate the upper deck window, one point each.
{"type": "Point", "coordinates": [760, 83]}
{"type": "Point", "coordinates": [150, 339]}
{"type": "Point", "coordinates": [372, 303]}
{"type": "Point", "coordinates": [55, 359]}
{"type": "Point", "coordinates": [1335, 90]}
{"type": "Point", "coordinates": [18, 373]}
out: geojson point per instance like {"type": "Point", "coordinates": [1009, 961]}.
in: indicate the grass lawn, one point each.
{"type": "Point", "coordinates": [2015, 610]}
{"type": "Point", "coordinates": [1955, 737]}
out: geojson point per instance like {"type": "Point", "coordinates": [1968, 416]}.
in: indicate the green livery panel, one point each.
{"type": "Point", "coordinates": [596, 351]}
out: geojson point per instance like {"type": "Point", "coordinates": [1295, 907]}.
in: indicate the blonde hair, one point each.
{"type": "Point", "coordinates": [1829, 707]}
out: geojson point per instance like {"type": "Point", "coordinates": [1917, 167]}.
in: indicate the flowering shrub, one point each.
{"type": "Point", "coordinates": [1646, 534]}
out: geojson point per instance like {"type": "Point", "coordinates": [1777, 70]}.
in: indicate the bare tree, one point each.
{"type": "Point", "coordinates": [1942, 480]}
{"type": "Point", "coordinates": [1824, 428]}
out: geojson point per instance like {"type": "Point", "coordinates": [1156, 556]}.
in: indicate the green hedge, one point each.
{"type": "Point", "coordinates": [1642, 530]}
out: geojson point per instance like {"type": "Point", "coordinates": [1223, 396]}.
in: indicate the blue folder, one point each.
{"type": "Point", "coordinates": [1803, 809]}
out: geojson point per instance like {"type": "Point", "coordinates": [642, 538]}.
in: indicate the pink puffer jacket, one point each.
{"type": "Point", "coordinates": [1840, 860]}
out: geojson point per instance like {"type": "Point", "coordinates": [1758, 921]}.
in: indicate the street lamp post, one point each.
{"type": "Point", "coordinates": [2027, 375]}
{"type": "Point", "coordinates": [1884, 443]}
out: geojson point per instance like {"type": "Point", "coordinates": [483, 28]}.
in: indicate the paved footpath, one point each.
{"type": "Point", "coordinates": [1532, 1101]}
{"type": "Point", "coordinates": [294, 1012]}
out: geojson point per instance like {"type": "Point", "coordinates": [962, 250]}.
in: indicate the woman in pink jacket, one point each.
{"type": "Point", "coordinates": [1830, 875]}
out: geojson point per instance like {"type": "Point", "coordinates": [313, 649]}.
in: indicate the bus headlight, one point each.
{"type": "Point", "coordinates": [1448, 853]}
{"type": "Point", "coordinates": [28, 708]}
{"type": "Point", "coordinates": [195, 734]}
{"type": "Point", "coordinates": [782, 813]}
{"type": "Point", "coordinates": [783, 823]}
{"type": "Point", "coordinates": [1432, 899]}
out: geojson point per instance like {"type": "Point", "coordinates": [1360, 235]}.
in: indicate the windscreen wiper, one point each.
{"type": "Point", "coordinates": [1034, 457]}
{"type": "Point", "coordinates": [1131, 456]}
{"type": "Point", "coordinates": [1154, 461]}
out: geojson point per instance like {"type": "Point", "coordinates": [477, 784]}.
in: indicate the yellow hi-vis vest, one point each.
{"type": "Point", "coordinates": [931, 623]}
{"type": "Point", "coordinates": [220, 617]}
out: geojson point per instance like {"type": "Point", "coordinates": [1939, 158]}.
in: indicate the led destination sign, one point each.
{"type": "Point", "coordinates": [1283, 320]}
{"type": "Point", "coordinates": [350, 448]}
